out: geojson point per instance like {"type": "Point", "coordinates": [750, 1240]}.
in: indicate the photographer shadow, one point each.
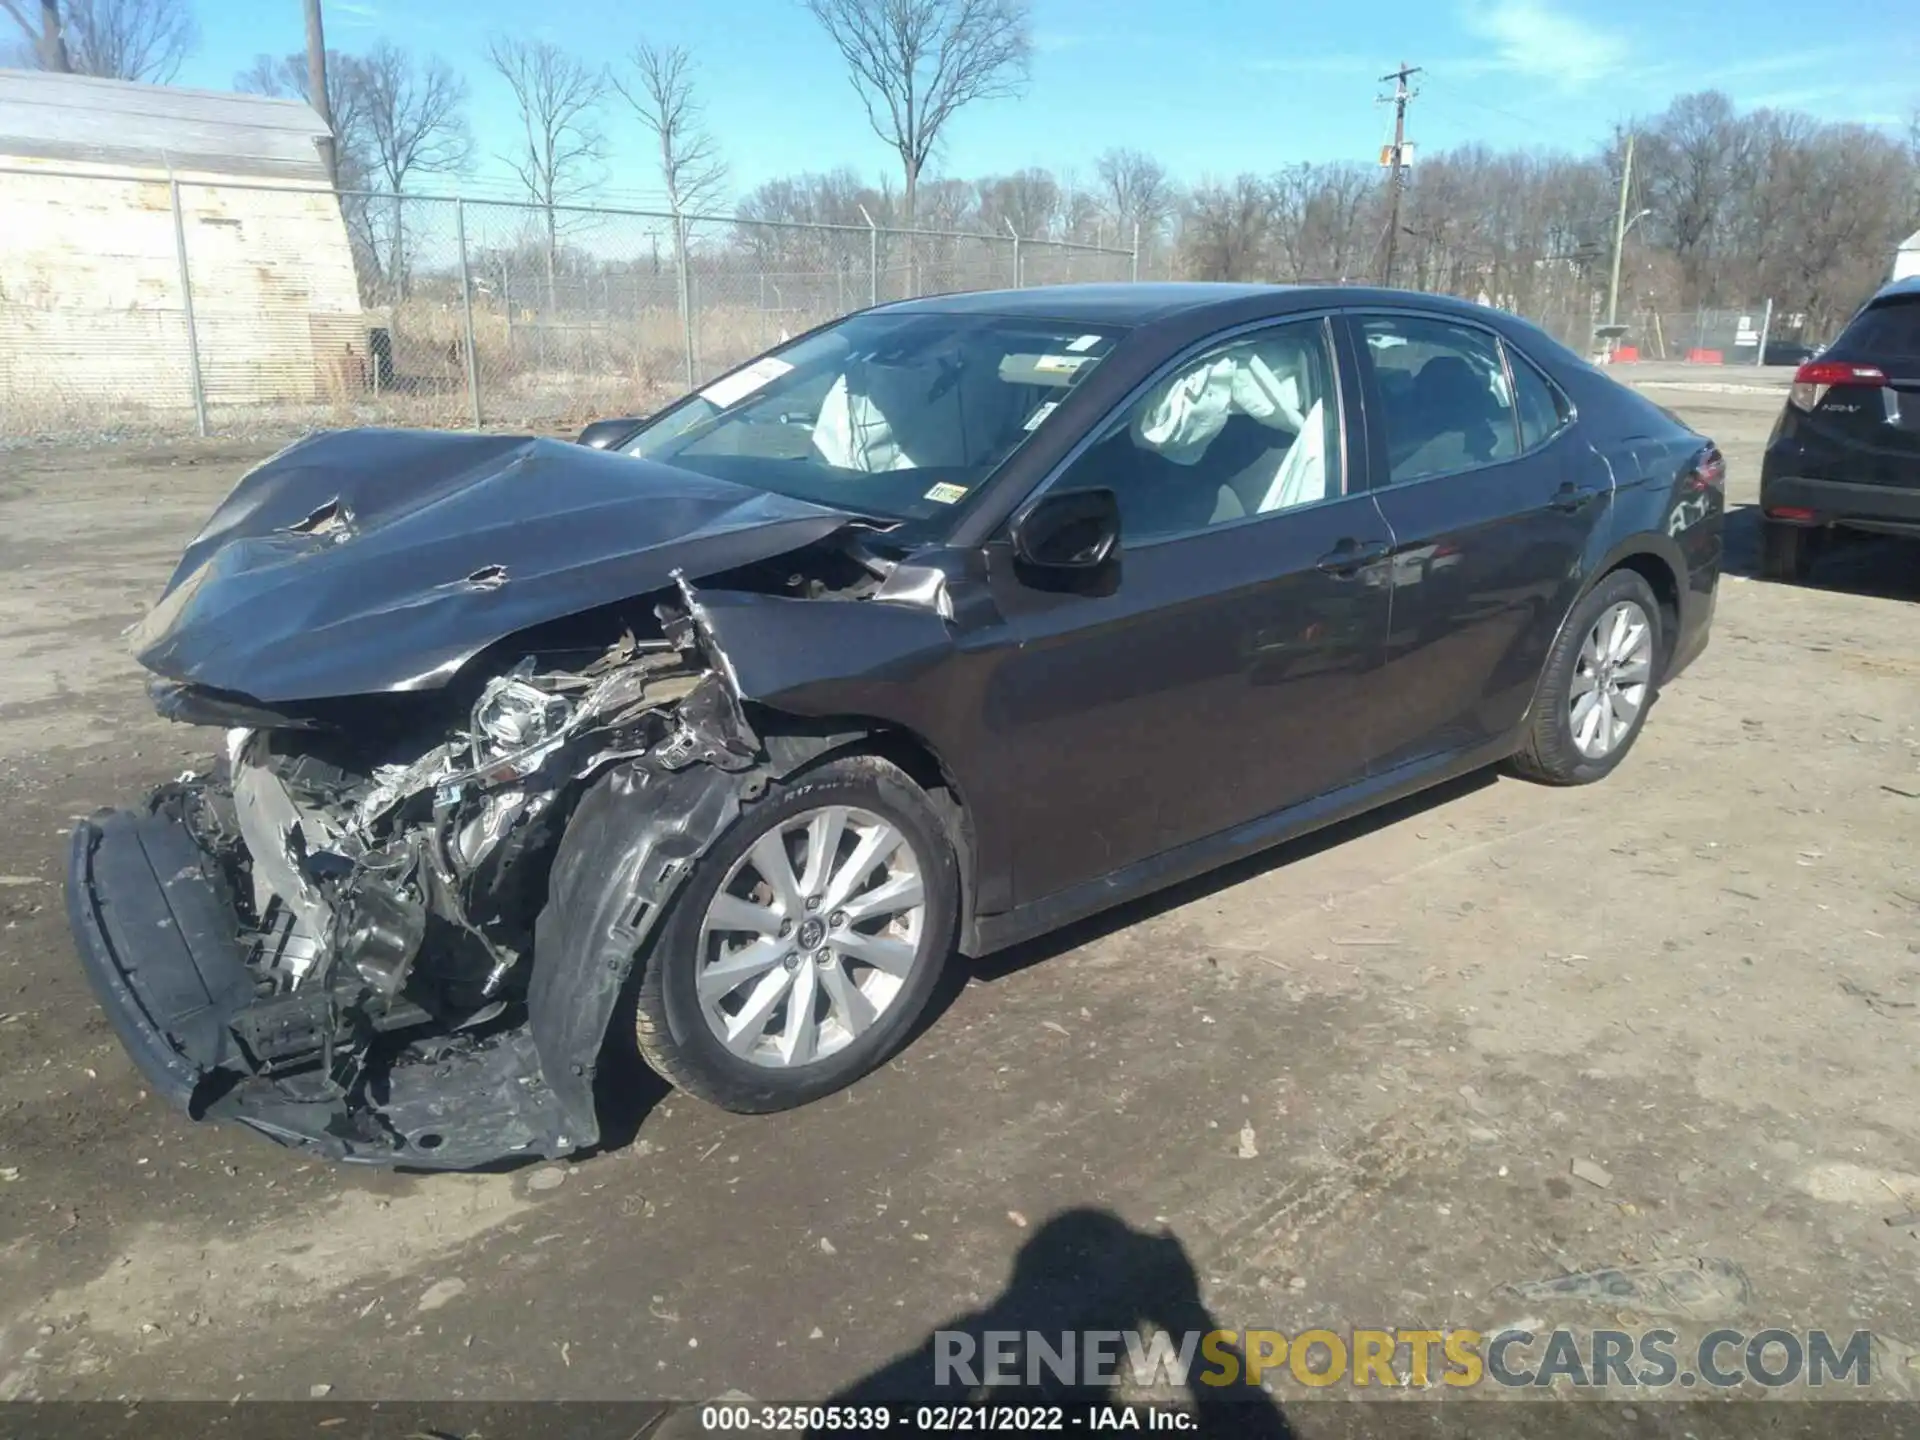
{"type": "Point", "coordinates": [1084, 1271]}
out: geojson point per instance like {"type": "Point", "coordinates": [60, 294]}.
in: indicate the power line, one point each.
{"type": "Point", "coordinates": [1460, 96]}
{"type": "Point", "coordinates": [1395, 158]}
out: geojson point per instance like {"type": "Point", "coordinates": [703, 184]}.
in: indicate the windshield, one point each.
{"type": "Point", "coordinates": [900, 416]}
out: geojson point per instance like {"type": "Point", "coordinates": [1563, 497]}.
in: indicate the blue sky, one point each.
{"type": "Point", "coordinates": [1253, 85]}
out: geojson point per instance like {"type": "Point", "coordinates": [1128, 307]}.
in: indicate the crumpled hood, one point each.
{"type": "Point", "coordinates": [362, 561]}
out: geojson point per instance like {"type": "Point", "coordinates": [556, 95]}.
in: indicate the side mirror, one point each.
{"type": "Point", "coordinates": [605, 434]}
{"type": "Point", "coordinates": [1076, 530]}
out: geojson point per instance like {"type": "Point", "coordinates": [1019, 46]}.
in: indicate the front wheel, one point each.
{"type": "Point", "coordinates": [806, 943]}
{"type": "Point", "coordinates": [1598, 684]}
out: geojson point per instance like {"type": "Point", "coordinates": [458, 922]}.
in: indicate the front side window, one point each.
{"type": "Point", "coordinates": [901, 416]}
{"type": "Point", "coordinates": [1245, 429]}
{"type": "Point", "coordinates": [1445, 402]}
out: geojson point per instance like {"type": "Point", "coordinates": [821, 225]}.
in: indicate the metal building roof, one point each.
{"type": "Point", "coordinates": [121, 122]}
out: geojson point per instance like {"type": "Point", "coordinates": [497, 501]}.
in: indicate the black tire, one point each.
{"type": "Point", "coordinates": [1786, 551]}
{"type": "Point", "coordinates": [670, 1028]}
{"type": "Point", "coordinates": [1549, 754]}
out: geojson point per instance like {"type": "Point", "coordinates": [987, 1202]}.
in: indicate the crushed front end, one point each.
{"type": "Point", "coordinates": [327, 935]}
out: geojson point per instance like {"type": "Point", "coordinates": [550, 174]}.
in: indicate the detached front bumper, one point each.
{"type": "Point", "coordinates": [157, 937]}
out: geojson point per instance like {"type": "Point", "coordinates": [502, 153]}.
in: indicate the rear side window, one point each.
{"type": "Point", "coordinates": [1443, 395]}
{"type": "Point", "coordinates": [1891, 327]}
{"type": "Point", "coordinates": [1544, 411]}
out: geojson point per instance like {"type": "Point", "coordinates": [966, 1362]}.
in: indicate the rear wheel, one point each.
{"type": "Point", "coordinates": [1598, 685]}
{"type": "Point", "coordinates": [806, 943]}
{"type": "Point", "coordinates": [1786, 551]}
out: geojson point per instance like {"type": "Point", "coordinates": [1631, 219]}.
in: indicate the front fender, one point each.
{"type": "Point", "coordinates": [628, 849]}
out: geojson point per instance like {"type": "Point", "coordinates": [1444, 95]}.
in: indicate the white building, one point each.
{"type": "Point", "coordinates": [91, 310]}
{"type": "Point", "coordinates": [1906, 260]}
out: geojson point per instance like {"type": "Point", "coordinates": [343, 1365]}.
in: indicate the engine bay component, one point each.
{"type": "Point", "coordinates": [342, 932]}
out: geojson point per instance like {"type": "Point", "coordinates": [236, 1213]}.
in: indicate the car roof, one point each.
{"type": "Point", "coordinates": [1151, 302]}
{"type": "Point", "coordinates": [1897, 289]}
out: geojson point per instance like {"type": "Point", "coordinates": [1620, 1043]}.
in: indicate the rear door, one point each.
{"type": "Point", "coordinates": [1492, 496]}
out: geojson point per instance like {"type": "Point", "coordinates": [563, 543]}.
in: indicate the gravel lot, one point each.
{"type": "Point", "coordinates": [1349, 1080]}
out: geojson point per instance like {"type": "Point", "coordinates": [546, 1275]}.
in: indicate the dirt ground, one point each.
{"type": "Point", "coordinates": [1349, 1079]}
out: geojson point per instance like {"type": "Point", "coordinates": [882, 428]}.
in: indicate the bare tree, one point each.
{"type": "Point", "coordinates": [662, 96]}
{"type": "Point", "coordinates": [560, 148]}
{"type": "Point", "coordinates": [130, 39]}
{"type": "Point", "coordinates": [836, 198]}
{"type": "Point", "coordinates": [1135, 191]}
{"type": "Point", "coordinates": [1028, 200]}
{"type": "Point", "coordinates": [117, 39]}
{"type": "Point", "coordinates": [914, 63]}
{"type": "Point", "coordinates": [561, 145]}
{"type": "Point", "coordinates": [415, 125]}
{"type": "Point", "coordinates": [1082, 216]}
{"type": "Point", "coordinates": [414, 114]}
{"type": "Point", "coordinates": [1228, 231]}
{"type": "Point", "coordinates": [1689, 163]}
{"type": "Point", "coordinates": [839, 197]}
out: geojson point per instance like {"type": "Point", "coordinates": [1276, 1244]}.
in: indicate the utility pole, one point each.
{"type": "Point", "coordinates": [317, 90]}
{"type": "Point", "coordinates": [1619, 237]}
{"type": "Point", "coordinates": [1395, 158]}
{"type": "Point", "coordinates": [52, 40]}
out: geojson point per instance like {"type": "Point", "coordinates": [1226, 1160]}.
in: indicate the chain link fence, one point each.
{"type": "Point", "coordinates": [151, 306]}
{"type": "Point", "coordinates": [141, 306]}
{"type": "Point", "coordinates": [1752, 334]}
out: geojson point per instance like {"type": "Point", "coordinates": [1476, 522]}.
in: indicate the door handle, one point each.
{"type": "Point", "coordinates": [1571, 497]}
{"type": "Point", "coordinates": [1350, 555]}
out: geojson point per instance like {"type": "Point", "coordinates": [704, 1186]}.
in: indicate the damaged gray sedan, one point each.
{"type": "Point", "coordinates": [710, 739]}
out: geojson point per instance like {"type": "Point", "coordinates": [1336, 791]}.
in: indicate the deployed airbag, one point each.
{"type": "Point", "coordinates": [1269, 385]}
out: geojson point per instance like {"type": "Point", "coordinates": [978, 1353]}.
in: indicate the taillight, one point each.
{"type": "Point", "coordinates": [1812, 380]}
{"type": "Point", "coordinates": [1709, 470]}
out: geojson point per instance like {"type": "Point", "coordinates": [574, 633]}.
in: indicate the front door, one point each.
{"type": "Point", "coordinates": [1492, 499]}
{"type": "Point", "coordinates": [1217, 672]}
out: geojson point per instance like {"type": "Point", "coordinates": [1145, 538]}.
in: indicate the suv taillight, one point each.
{"type": "Point", "coordinates": [1812, 380]}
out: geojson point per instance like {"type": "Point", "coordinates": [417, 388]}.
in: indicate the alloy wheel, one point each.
{"type": "Point", "coordinates": [811, 937]}
{"type": "Point", "coordinates": [1611, 678]}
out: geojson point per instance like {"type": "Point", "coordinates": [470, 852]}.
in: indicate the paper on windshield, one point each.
{"type": "Point", "coordinates": [732, 389]}
{"type": "Point", "coordinates": [1060, 364]}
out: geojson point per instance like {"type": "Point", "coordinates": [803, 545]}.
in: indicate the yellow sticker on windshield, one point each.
{"type": "Point", "coordinates": [947, 493]}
